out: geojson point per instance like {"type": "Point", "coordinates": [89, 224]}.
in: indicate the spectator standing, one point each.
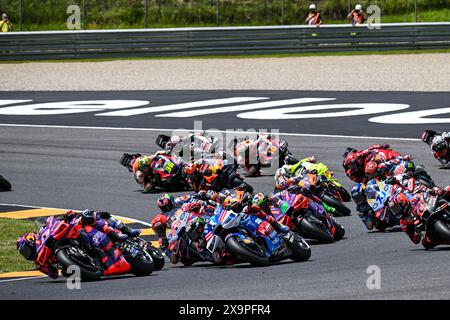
{"type": "Point", "coordinates": [314, 18]}
{"type": "Point", "coordinates": [357, 15]}
{"type": "Point", "coordinates": [5, 25]}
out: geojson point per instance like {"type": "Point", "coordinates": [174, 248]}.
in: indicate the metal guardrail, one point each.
{"type": "Point", "coordinates": [221, 41]}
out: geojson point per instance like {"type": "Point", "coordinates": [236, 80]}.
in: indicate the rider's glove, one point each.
{"type": "Point", "coordinates": [104, 215]}
{"type": "Point", "coordinates": [408, 157]}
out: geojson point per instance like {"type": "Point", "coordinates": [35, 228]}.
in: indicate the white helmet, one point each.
{"type": "Point", "coordinates": [4, 16]}
{"type": "Point", "coordinates": [358, 7]}
{"type": "Point", "coordinates": [312, 7]}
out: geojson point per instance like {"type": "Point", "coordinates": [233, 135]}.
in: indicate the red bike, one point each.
{"type": "Point", "coordinates": [62, 235]}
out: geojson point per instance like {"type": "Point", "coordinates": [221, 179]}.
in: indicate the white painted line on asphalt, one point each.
{"type": "Point", "coordinates": [212, 131]}
{"type": "Point", "coordinates": [179, 106]}
{"type": "Point", "coordinates": [252, 106]}
{"type": "Point", "coordinates": [20, 279]}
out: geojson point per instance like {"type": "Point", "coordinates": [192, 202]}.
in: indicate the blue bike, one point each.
{"type": "Point", "coordinates": [251, 239]}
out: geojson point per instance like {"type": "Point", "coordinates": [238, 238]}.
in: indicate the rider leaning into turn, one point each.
{"type": "Point", "coordinates": [440, 145]}
{"type": "Point", "coordinates": [361, 165]}
{"type": "Point", "coordinates": [143, 169]}
{"type": "Point", "coordinates": [30, 245]}
{"type": "Point", "coordinates": [288, 175]}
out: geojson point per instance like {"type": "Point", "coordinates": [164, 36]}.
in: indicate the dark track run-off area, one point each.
{"type": "Point", "coordinates": [78, 168]}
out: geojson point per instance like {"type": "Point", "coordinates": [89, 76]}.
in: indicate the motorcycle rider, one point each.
{"type": "Point", "coordinates": [206, 150]}
{"type": "Point", "coordinates": [30, 245]}
{"type": "Point", "coordinates": [142, 168]}
{"type": "Point", "coordinates": [289, 175]}
{"type": "Point", "coordinates": [439, 144]}
{"type": "Point", "coordinates": [250, 147]}
{"type": "Point", "coordinates": [208, 174]}
{"type": "Point", "coordinates": [358, 166]}
{"type": "Point", "coordinates": [168, 205]}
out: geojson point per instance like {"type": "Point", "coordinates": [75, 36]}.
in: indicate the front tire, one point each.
{"type": "Point", "coordinates": [86, 274]}
{"type": "Point", "coordinates": [142, 265]}
{"type": "Point", "coordinates": [300, 250]}
{"type": "Point", "coordinates": [345, 195]}
{"type": "Point", "coordinates": [240, 251]}
{"type": "Point", "coordinates": [315, 230]}
{"type": "Point", "coordinates": [339, 232]}
{"type": "Point", "coordinates": [341, 209]}
{"type": "Point", "coordinates": [4, 184]}
{"type": "Point", "coordinates": [157, 256]}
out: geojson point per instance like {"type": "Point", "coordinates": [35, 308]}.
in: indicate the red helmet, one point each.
{"type": "Point", "coordinates": [189, 168]}
{"type": "Point", "coordinates": [166, 202]}
{"type": "Point", "coordinates": [351, 161]}
{"type": "Point", "coordinates": [371, 169]}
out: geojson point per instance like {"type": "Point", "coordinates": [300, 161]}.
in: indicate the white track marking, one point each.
{"type": "Point", "coordinates": [21, 279]}
{"type": "Point", "coordinates": [212, 131]}
{"type": "Point", "coordinates": [252, 106]}
{"type": "Point", "coordinates": [6, 102]}
{"type": "Point", "coordinates": [413, 117]}
{"type": "Point", "coordinates": [179, 106]}
{"type": "Point", "coordinates": [70, 107]}
{"type": "Point", "coordinates": [289, 113]}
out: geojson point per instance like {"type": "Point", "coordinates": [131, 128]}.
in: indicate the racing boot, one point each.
{"type": "Point", "coordinates": [328, 209]}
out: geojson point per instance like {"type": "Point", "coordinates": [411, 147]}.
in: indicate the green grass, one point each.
{"type": "Point", "coordinates": [10, 259]}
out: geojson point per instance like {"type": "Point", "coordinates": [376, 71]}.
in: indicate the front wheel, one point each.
{"type": "Point", "coordinates": [300, 250]}
{"type": "Point", "coordinates": [345, 195]}
{"type": "Point", "coordinates": [339, 232]}
{"type": "Point", "coordinates": [4, 184]}
{"type": "Point", "coordinates": [241, 251]}
{"type": "Point", "coordinates": [70, 256]}
{"type": "Point", "coordinates": [157, 256]}
{"type": "Point", "coordinates": [341, 209]}
{"type": "Point", "coordinates": [142, 265]}
{"type": "Point", "coordinates": [312, 228]}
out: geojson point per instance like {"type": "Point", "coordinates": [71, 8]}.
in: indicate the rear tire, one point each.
{"type": "Point", "coordinates": [241, 252]}
{"type": "Point", "coordinates": [66, 261]}
{"type": "Point", "coordinates": [341, 209]}
{"type": "Point", "coordinates": [4, 184]}
{"type": "Point", "coordinates": [315, 231]}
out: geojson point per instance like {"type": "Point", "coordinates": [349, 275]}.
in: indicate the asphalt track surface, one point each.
{"type": "Point", "coordinates": [78, 168]}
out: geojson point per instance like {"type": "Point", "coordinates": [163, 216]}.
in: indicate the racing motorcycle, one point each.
{"type": "Point", "coordinates": [434, 213]}
{"type": "Point", "coordinates": [199, 144]}
{"type": "Point", "coordinates": [378, 195]}
{"type": "Point", "coordinates": [167, 173]}
{"type": "Point", "coordinates": [225, 177]}
{"type": "Point", "coordinates": [4, 184]}
{"type": "Point", "coordinates": [251, 239]}
{"type": "Point", "coordinates": [181, 245]}
{"type": "Point", "coordinates": [266, 152]}
{"type": "Point", "coordinates": [61, 236]}
{"type": "Point", "coordinates": [322, 184]}
{"type": "Point", "coordinates": [295, 212]}
{"type": "Point", "coordinates": [428, 137]}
